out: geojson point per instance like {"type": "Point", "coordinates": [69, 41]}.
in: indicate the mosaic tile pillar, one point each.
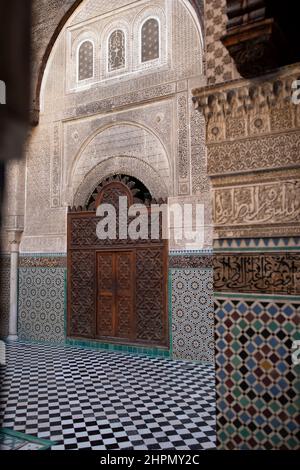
{"type": "Point", "coordinates": [191, 307]}
{"type": "Point", "coordinates": [42, 298]}
{"type": "Point", "coordinates": [257, 383]}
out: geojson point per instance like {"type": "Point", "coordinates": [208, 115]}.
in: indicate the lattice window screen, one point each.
{"type": "Point", "coordinates": [86, 61]}
{"type": "Point", "coordinates": [116, 53]}
{"type": "Point", "coordinates": [150, 40]}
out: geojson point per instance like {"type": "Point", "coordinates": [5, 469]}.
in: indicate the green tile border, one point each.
{"type": "Point", "coordinates": [42, 255]}
{"type": "Point", "coordinates": [121, 348]}
{"type": "Point", "coordinates": [27, 437]}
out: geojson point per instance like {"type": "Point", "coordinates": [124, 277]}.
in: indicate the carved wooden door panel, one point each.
{"type": "Point", "coordinates": [115, 285]}
{"type": "Point", "coordinates": [124, 294]}
{"type": "Point", "coordinates": [105, 321]}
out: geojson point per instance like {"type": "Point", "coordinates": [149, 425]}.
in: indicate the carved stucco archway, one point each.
{"type": "Point", "coordinates": [54, 27]}
{"type": "Point", "coordinates": [125, 165]}
{"type": "Point", "coordinates": [121, 148]}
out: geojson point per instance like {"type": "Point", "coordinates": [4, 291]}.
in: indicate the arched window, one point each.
{"type": "Point", "coordinates": [86, 61]}
{"type": "Point", "coordinates": [116, 50]}
{"type": "Point", "coordinates": [150, 40]}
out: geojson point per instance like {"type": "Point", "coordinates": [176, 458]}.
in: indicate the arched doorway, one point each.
{"type": "Point", "coordinates": [117, 287]}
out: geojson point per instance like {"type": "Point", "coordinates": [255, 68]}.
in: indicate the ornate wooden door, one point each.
{"type": "Point", "coordinates": [115, 289]}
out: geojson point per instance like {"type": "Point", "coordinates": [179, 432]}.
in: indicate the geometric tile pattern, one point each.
{"type": "Point", "coordinates": [192, 314]}
{"type": "Point", "coordinates": [219, 63]}
{"type": "Point", "coordinates": [257, 383]}
{"type": "Point", "coordinates": [41, 304]}
{"type": "Point", "coordinates": [87, 399]}
{"type": "Point", "coordinates": [4, 296]}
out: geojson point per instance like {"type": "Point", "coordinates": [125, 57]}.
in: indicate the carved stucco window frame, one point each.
{"type": "Point", "coordinates": [159, 15]}
{"type": "Point", "coordinates": [73, 83]}
{"type": "Point", "coordinates": [105, 73]}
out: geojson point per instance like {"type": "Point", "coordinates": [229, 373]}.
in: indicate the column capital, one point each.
{"type": "Point", "coordinates": [14, 237]}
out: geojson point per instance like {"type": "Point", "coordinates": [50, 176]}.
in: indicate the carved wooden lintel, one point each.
{"type": "Point", "coordinates": [256, 48]}
{"type": "Point", "coordinates": [258, 36]}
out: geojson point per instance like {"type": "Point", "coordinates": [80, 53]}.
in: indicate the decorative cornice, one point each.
{"type": "Point", "coordinates": [240, 97]}
{"type": "Point", "coordinates": [242, 110]}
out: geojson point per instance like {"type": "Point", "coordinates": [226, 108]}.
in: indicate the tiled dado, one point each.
{"type": "Point", "coordinates": [42, 294]}
{"type": "Point", "coordinates": [192, 314]}
{"type": "Point", "coordinates": [257, 383]}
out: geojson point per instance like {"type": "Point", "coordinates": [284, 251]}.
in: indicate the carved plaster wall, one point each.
{"type": "Point", "coordinates": [253, 132]}
{"type": "Point", "coordinates": [137, 122]}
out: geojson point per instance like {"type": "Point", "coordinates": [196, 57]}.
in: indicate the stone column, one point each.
{"type": "Point", "coordinates": [14, 240]}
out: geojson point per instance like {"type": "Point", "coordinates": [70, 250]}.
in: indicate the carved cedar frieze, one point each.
{"type": "Point", "coordinates": [275, 273]}
{"type": "Point", "coordinates": [262, 153]}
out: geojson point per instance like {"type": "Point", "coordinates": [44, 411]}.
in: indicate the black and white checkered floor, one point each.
{"type": "Point", "coordinates": [86, 399]}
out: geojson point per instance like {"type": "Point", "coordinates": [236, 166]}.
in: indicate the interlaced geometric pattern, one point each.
{"type": "Point", "coordinates": [150, 40]}
{"type": "Point", "coordinates": [257, 383]}
{"type": "Point", "coordinates": [218, 61]}
{"type": "Point", "coordinates": [86, 61]}
{"type": "Point", "coordinates": [116, 56]}
{"type": "Point", "coordinates": [193, 314]}
{"type": "Point", "coordinates": [86, 399]}
{"type": "Point", "coordinates": [41, 304]}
